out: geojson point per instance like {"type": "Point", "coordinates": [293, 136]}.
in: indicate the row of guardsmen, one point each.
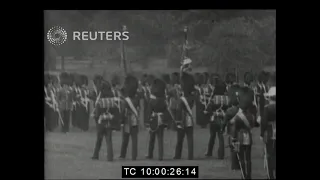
{"type": "Point", "coordinates": [224, 105]}
{"type": "Point", "coordinates": [66, 102]}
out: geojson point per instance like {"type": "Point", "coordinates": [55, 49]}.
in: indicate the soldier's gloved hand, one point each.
{"type": "Point", "coordinates": [122, 125]}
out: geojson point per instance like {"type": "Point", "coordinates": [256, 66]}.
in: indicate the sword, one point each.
{"type": "Point", "coordinates": [242, 174]}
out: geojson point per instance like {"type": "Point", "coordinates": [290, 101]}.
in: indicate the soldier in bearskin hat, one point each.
{"type": "Point", "coordinates": [241, 125]}
{"type": "Point", "coordinates": [76, 100]}
{"type": "Point", "coordinates": [218, 107]}
{"type": "Point", "coordinates": [116, 92]}
{"type": "Point", "coordinates": [65, 101]}
{"type": "Point", "coordinates": [233, 90]}
{"type": "Point", "coordinates": [268, 131]}
{"type": "Point", "coordinates": [168, 115]}
{"type": "Point", "coordinates": [48, 108]}
{"type": "Point", "coordinates": [184, 116]}
{"type": "Point", "coordinates": [200, 101]}
{"type": "Point", "coordinates": [83, 109]}
{"type": "Point", "coordinates": [106, 109]}
{"type": "Point", "coordinates": [52, 91]}
{"type": "Point", "coordinates": [173, 93]}
{"type": "Point", "coordinates": [260, 90]}
{"type": "Point", "coordinates": [95, 94]}
{"type": "Point", "coordinates": [144, 92]}
{"type": "Point", "coordinates": [130, 120]}
{"type": "Point", "coordinates": [155, 121]}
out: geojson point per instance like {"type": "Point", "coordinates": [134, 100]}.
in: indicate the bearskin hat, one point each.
{"type": "Point", "coordinates": [71, 76]}
{"type": "Point", "coordinates": [214, 78]}
{"type": "Point", "coordinates": [106, 90]}
{"type": "Point", "coordinates": [144, 79]}
{"type": "Point", "coordinates": [230, 78]}
{"type": "Point", "coordinates": [46, 79]}
{"type": "Point", "coordinates": [175, 78]}
{"type": "Point", "coordinates": [273, 78]}
{"type": "Point", "coordinates": [166, 78]}
{"type": "Point", "coordinates": [187, 83]}
{"type": "Point", "coordinates": [206, 77]}
{"type": "Point", "coordinates": [266, 76]}
{"type": "Point", "coordinates": [248, 77]}
{"type": "Point", "coordinates": [54, 79]}
{"type": "Point", "coordinates": [97, 79]}
{"type": "Point", "coordinates": [200, 79]}
{"type": "Point", "coordinates": [158, 88]}
{"type": "Point", "coordinates": [196, 78]}
{"type": "Point", "coordinates": [64, 78]}
{"type": "Point", "coordinates": [77, 79]}
{"type": "Point", "coordinates": [131, 85]}
{"type": "Point", "coordinates": [261, 77]}
{"type": "Point", "coordinates": [84, 80]}
{"type": "Point", "coordinates": [150, 79]}
{"type": "Point", "coordinates": [115, 80]}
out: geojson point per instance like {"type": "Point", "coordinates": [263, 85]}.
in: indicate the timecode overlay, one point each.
{"type": "Point", "coordinates": [160, 172]}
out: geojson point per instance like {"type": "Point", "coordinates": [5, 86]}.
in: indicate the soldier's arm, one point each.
{"type": "Point", "coordinates": [264, 121]}
{"type": "Point", "coordinates": [179, 112]}
{"type": "Point", "coordinates": [148, 115]}
{"type": "Point", "coordinates": [123, 111]}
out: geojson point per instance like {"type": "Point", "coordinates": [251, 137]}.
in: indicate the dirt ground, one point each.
{"type": "Point", "coordinates": [69, 156]}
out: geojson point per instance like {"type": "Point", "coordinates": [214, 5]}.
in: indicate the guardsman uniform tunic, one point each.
{"type": "Point", "coordinates": [219, 105]}
{"type": "Point", "coordinates": [83, 109]}
{"type": "Point", "coordinates": [130, 125]}
{"type": "Point", "coordinates": [156, 123]}
{"type": "Point", "coordinates": [173, 93]}
{"type": "Point", "coordinates": [106, 122]}
{"type": "Point", "coordinates": [241, 130]}
{"type": "Point", "coordinates": [65, 105]}
{"type": "Point", "coordinates": [184, 123]}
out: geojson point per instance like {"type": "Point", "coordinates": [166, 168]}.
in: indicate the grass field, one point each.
{"type": "Point", "coordinates": [68, 156]}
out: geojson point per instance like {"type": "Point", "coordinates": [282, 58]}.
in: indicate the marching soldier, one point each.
{"type": "Point", "coordinates": [95, 95]}
{"type": "Point", "coordinates": [218, 108]}
{"type": "Point", "coordinates": [155, 121]}
{"type": "Point", "coordinates": [65, 102]}
{"type": "Point", "coordinates": [184, 113]}
{"type": "Point", "coordinates": [130, 122]}
{"type": "Point", "coordinates": [106, 110]}
{"type": "Point", "coordinates": [268, 132]}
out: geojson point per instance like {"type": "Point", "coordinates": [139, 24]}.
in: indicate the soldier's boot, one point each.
{"type": "Point", "coordinates": [97, 146]}
{"type": "Point", "coordinates": [124, 145]}
{"type": "Point", "coordinates": [270, 167]}
{"type": "Point", "coordinates": [151, 142]}
{"type": "Point", "coordinates": [248, 170]}
{"type": "Point", "coordinates": [160, 145]}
